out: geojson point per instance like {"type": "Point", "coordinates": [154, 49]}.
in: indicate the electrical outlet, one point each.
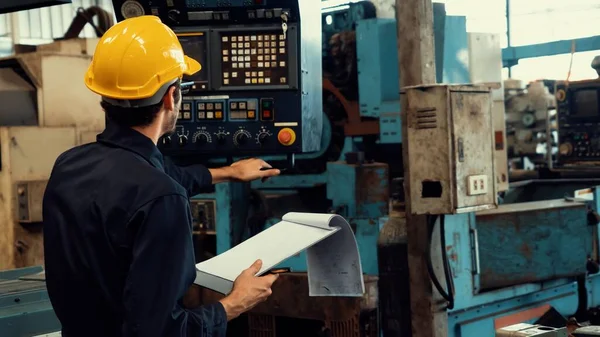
{"type": "Point", "coordinates": [477, 185]}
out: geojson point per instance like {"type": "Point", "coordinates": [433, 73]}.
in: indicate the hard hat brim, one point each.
{"type": "Point", "coordinates": [192, 66]}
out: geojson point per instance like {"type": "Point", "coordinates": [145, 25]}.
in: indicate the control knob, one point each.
{"type": "Point", "coordinates": [565, 149]}
{"type": "Point", "coordinates": [241, 137]}
{"type": "Point", "coordinates": [201, 138]}
{"type": "Point", "coordinates": [221, 137]}
{"type": "Point", "coordinates": [183, 140]}
{"type": "Point", "coordinates": [174, 15]}
{"type": "Point", "coordinates": [263, 137]}
{"type": "Point", "coordinates": [166, 140]}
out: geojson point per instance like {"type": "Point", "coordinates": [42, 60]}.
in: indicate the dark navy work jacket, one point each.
{"type": "Point", "coordinates": [118, 241]}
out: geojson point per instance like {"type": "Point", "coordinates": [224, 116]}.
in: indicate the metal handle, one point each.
{"type": "Point", "coordinates": [475, 250]}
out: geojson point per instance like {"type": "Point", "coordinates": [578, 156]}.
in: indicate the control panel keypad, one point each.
{"type": "Point", "coordinates": [185, 114]}
{"type": "Point", "coordinates": [258, 58]}
{"type": "Point", "coordinates": [207, 111]}
{"type": "Point", "coordinates": [243, 110]}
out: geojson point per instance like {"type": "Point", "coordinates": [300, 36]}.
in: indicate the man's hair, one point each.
{"type": "Point", "coordinates": [139, 116]}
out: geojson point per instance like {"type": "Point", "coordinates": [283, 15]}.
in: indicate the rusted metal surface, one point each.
{"type": "Point", "coordinates": [373, 186]}
{"type": "Point", "coordinates": [363, 189]}
{"type": "Point", "coordinates": [261, 325]}
{"type": "Point", "coordinates": [290, 299]}
{"type": "Point", "coordinates": [354, 126]}
{"type": "Point", "coordinates": [531, 242]}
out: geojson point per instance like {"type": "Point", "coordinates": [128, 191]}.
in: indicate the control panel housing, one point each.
{"type": "Point", "coordinates": [578, 108]}
{"type": "Point", "coordinates": [451, 148]}
{"type": "Point", "coordinates": [260, 88]}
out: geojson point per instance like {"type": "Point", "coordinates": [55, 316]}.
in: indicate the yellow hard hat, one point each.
{"type": "Point", "coordinates": [136, 61]}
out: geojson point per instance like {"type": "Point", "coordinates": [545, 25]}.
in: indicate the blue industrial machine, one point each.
{"type": "Point", "coordinates": [259, 91]}
{"type": "Point", "coordinates": [25, 309]}
{"type": "Point", "coordinates": [360, 116]}
{"type": "Point", "coordinates": [320, 99]}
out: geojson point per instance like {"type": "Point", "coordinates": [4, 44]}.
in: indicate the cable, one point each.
{"type": "Point", "coordinates": [86, 16]}
{"type": "Point", "coordinates": [447, 273]}
{"type": "Point", "coordinates": [431, 220]}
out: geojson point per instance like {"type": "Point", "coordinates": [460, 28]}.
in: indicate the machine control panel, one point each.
{"type": "Point", "coordinates": [260, 88]}
{"type": "Point", "coordinates": [578, 106]}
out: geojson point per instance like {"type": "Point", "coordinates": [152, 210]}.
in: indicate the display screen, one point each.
{"type": "Point", "coordinates": [585, 103]}
{"type": "Point", "coordinates": [254, 59]}
{"type": "Point", "coordinates": [195, 46]}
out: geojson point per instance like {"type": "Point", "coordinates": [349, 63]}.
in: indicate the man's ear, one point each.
{"type": "Point", "coordinates": [169, 99]}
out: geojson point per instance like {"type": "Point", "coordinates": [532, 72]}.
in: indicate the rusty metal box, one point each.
{"type": "Point", "coordinates": [450, 148]}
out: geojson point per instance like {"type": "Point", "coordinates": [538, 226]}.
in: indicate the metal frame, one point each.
{"type": "Point", "coordinates": [511, 55]}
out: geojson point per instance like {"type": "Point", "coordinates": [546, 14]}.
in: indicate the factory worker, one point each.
{"type": "Point", "coordinates": [117, 224]}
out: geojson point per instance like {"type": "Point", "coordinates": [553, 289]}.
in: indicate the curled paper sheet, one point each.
{"type": "Point", "coordinates": [333, 260]}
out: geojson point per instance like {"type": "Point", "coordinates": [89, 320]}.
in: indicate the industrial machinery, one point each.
{"type": "Point", "coordinates": [578, 121]}
{"type": "Point", "coordinates": [531, 124]}
{"type": "Point", "coordinates": [519, 261]}
{"type": "Point", "coordinates": [46, 110]}
{"type": "Point", "coordinates": [259, 90]}
{"type": "Point", "coordinates": [38, 110]}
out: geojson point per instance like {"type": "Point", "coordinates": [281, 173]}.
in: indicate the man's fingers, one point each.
{"type": "Point", "coordinates": [270, 173]}
{"type": "Point", "coordinates": [255, 267]}
{"type": "Point", "coordinates": [270, 279]}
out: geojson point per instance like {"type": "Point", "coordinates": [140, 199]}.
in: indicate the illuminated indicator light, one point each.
{"type": "Point", "coordinates": [218, 114]}
{"type": "Point", "coordinates": [251, 114]}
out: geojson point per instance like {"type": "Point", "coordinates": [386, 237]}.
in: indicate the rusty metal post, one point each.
{"type": "Point", "coordinates": [416, 59]}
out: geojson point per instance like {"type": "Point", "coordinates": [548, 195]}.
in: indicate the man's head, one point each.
{"type": "Point", "coordinates": [137, 69]}
{"type": "Point", "coordinates": [162, 115]}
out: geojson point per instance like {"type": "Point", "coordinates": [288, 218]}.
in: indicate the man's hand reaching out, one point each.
{"type": "Point", "coordinates": [248, 291]}
{"type": "Point", "coordinates": [245, 171]}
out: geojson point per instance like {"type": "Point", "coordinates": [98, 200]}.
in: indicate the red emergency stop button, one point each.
{"type": "Point", "coordinates": [286, 137]}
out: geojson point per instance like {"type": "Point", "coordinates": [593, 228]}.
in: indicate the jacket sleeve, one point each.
{"type": "Point", "coordinates": [162, 270]}
{"type": "Point", "coordinates": [194, 178]}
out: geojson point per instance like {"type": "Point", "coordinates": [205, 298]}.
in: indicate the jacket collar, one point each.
{"type": "Point", "coordinates": [131, 140]}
